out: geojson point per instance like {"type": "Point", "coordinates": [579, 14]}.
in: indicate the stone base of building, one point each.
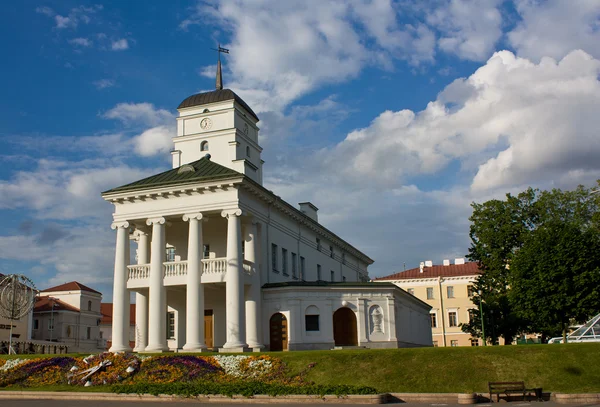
{"type": "Point", "coordinates": [197, 350]}
{"type": "Point", "coordinates": [240, 349]}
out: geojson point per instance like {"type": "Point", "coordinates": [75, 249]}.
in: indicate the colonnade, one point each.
{"type": "Point", "coordinates": [243, 329]}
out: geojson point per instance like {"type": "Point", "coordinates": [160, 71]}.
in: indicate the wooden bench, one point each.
{"type": "Point", "coordinates": [508, 388]}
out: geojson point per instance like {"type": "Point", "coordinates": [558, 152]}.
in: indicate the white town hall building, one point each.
{"type": "Point", "coordinates": [223, 263]}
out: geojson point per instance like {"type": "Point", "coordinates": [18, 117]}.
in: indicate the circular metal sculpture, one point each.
{"type": "Point", "coordinates": [17, 297]}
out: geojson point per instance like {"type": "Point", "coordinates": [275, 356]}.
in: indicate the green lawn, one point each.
{"type": "Point", "coordinates": [571, 368]}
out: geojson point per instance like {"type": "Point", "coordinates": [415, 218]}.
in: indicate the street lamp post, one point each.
{"type": "Point", "coordinates": [482, 324]}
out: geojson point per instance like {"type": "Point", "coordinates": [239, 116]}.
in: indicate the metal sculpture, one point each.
{"type": "Point", "coordinates": [17, 297]}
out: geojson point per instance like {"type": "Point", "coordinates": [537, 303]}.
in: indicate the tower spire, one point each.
{"type": "Point", "coordinates": [219, 81]}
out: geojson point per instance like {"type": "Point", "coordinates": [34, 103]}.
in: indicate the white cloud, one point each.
{"type": "Point", "coordinates": [45, 10]}
{"type": "Point", "coordinates": [513, 121]}
{"type": "Point", "coordinates": [553, 28]}
{"type": "Point", "coordinates": [140, 113]}
{"type": "Point", "coordinates": [82, 42]}
{"type": "Point", "coordinates": [154, 141]}
{"type": "Point", "coordinates": [469, 28]}
{"type": "Point", "coordinates": [120, 45]}
{"type": "Point", "coordinates": [77, 15]}
{"type": "Point", "coordinates": [104, 83]}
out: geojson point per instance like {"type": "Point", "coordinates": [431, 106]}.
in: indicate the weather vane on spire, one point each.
{"type": "Point", "coordinates": [220, 50]}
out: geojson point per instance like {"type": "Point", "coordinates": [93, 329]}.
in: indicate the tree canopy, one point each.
{"type": "Point", "coordinates": [522, 242]}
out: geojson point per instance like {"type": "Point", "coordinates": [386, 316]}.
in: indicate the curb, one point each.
{"type": "Point", "coordinates": [258, 399]}
{"type": "Point", "coordinates": [584, 398]}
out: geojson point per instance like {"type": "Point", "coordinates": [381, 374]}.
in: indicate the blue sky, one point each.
{"type": "Point", "coordinates": [390, 116]}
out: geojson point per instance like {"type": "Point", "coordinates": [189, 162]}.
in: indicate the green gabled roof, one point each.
{"type": "Point", "coordinates": [198, 171]}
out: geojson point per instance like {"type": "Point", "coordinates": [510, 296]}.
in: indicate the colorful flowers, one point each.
{"type": "Point", "coordinates": [108, 368]}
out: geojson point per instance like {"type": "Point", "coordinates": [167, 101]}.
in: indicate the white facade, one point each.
{"type": "Point", "coordinates": [208, 238]}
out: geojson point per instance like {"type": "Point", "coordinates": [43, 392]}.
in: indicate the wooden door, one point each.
{"type": "Point", "coordinates": [345, 332]}
{"type": "Point", "coordinates": [208, 328]}
{"type": "Point", "coordinates": [278, 336]}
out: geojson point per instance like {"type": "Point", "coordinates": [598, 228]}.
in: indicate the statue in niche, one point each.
{"type": "Point", "coordinates": [376, 320]}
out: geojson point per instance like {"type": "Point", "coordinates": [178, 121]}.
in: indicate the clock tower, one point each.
{"type": "Point", "coordinates": [221, 124]}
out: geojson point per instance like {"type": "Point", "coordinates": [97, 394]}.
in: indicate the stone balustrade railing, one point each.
{"type": "Point", "coordinates": [179, 268]}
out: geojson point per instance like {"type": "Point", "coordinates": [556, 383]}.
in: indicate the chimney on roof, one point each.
{"type": "Point", "coordinates": [428, 263]}
{"type": "Point", "coordinates": [421, 266]}
{"type": "Point", "coordinates": [446, 262]}
{"type": "Point", "coordinates": [309, 210]}
{"type": "Point", "coordinates": [459, 261]}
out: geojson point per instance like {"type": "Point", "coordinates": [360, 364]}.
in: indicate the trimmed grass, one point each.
{"type": "Point", "coordinates": [570, 368]}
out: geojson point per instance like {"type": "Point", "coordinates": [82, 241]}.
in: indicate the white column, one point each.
{"type": "Point", "coordinates": [234, 283]}
{"type": "Point", "coordinates": [391, 319]}
{"type": "Point", "coordinates": [194, 337]}
{"type": "Point", "coordinates": [141, 299]}
{"type": "Point", "coordinates": [363, 321]}
{"type": "Point", "coordinates": [157, 335]}
{"type": "Point", "coordinates": [253, 300]}
{"type": "Point", "coordinates": [120, 327]}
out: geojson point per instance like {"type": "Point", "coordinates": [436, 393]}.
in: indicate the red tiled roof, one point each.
{"type": "Point", "coordinates": [46, 304]}
{"type": "Point", "coordinates": [453, 270]}
{"type": "Point", "coordinates": [106, 308]}
{"type": "Point", "coordinates": [72, 286]}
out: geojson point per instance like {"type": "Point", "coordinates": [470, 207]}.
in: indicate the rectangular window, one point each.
{"type": "Point", "coordinates": [433, 317]}
{"type": "Point", "coordinates": [170, 325]}
{"type": "Point", "coordinates": [274, 258]}
{"type": "Point", "coordinates": [206, 251]}
{"type": "Point", "coordinates": [474, 342]}
{"type": "Point", "coordinates": [88, 333]}
{"type": "Point", "coordinates": [101, 334]}
{"type": "Point", "coordinates": [331, 254]}
{"type": "Point", "coordinates": [302, 268]}
{"type": "Point", "coordinates": [470, 290]}
{"type": "Point", "coordinates": [312, 323]}
{"type": "Point", "coordinates": [170, 254]}
{"type": "Point", "coordinates": [284, 268]}
{"type": "Point", "coordinates": [452, 319]}
{"type": "Point", "coordinates": [318, 272]}
{"type": "Point", "coordinates": [430, 293]}
{"type": "Point", "coordinates": [454, 343]}
{"type": "Point", "coordinates": [294, 265]}
{"type": "Point", "coordinates": [411, 291]}
{"type": "Point", "coordinates": [36, 324]}
{"type": "Point", "coordinates": [318, 244]}
{"type": "Point", "coordinates": [450, 291]}
{"type": "Point", "coordinates": [332, 276]}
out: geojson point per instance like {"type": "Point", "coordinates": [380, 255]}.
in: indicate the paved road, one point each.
{"type": "Point", "coordinates": [91, 403]}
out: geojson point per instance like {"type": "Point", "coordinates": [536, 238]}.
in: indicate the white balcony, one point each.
{"type": "Point", "coordinates": [175, 272]}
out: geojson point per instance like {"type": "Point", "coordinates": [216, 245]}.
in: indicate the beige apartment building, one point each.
{"type": "Point", "coordinates": [447, 289]}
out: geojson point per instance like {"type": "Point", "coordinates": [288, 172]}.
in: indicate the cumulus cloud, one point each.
{"type": "Point", "coordinates": [469, 28]}
{"type": "Point", "coordinates": [512, 122]}
{"type": "Point", "coordinates": [139, 113]}
{"type": "Point", "coordinates": [553, 28]}
{"type": "Point", "coordinates": [154, 141]}
{"type": "Point", "coordinates": [120, 45]}
{"type": "Point", "coordinates": [77, 15]}
{"type": "Point", "coordinates": [81, 42]}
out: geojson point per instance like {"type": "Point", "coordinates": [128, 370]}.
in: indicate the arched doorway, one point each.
{"type": "Point", "coordinates": [278, 336]}
{"type": "Point", "coordinates": [344, 327]}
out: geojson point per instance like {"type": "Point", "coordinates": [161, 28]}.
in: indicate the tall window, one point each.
{"type": "Point", "coordinates": [318, 271]}
{"type": "Point", "coordinates": [294, 265]}
{"type": "Point", "coordinates": [284, 268]}
{"type": "Point", "coordinates": [204, 146]}
{"type": "Point", "coordinates": [89, 305]}
{"type": "Point", "coordinates": [450, 291]}
{"type": "Point", "coordinates": [206, 251]}
{"type": "Point", "coordinates": [433, 317]}
{"type": "Point", "coordinates": [170, 325]}
{"type": "Point", "coordinates": [332, 276]}
{"type": "Point", "coordinates": [331, 254]}
{"type": "Point", "coordinates": [318, 244]}
{"type": "Point", "coordinates": [430, 293]}
{"type": "Point", "coordinates": [470, 290]}
{"type": "Point", "coordinates": [274, 257]}
{"type": "Point", "coordinates": [170, 254]}
{"type": "Point", "coordinates": [88, 333]}
{"type": "Point", "coordinates": [247, 151]}
{"type": "Point", "coordinates": [302, 268]}
{"type": "Point", "coordinates": [36, 324]}
{"type": "Point", "coordinates": [452, 319]}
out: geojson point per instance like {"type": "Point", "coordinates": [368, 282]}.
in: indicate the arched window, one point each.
{"type": "Point", "coordinates": [247, 151]}
{"type": "Point", "coordinates": [204, 146]}
{"type": "Point", "coordinates": [89, 305]}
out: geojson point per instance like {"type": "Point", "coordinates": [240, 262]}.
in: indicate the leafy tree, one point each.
{"type": "Point", "coordinates": [555, 276]}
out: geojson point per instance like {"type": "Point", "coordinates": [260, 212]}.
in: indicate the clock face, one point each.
{"type": "Point", "coordinates": [206, 123]}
